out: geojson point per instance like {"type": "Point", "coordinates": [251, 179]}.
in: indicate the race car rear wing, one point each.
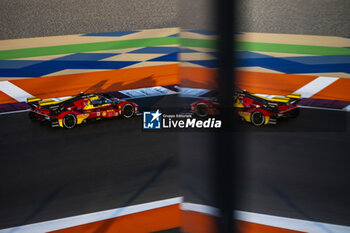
{"type": "Point", "coordinates": [33, 101]}
{"type": "Point", "coordinates": [55, 105]}
{"type": "Point", "coordinates": [39, 102]}
{"type": "Point", "coordinates": [294, 96]}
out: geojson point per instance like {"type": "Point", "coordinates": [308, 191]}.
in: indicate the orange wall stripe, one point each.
{"type": "Point", "coordinates": [6, 99]}
{"type": "Point", "coordinates": [196, 77]}
{"type": "Point", "coordinates": [339, 90]}
{"type": "Point", "coordinates": [196, 222]}
{"type": "Point", "coordinates": [102, 81]}
{"type": "Point", "coordinates": [256, 82]}
{"type": "Point", "coordinates": [123, 79]}
{"type": "Point", "coordinates": [249, 227]}
{"type": "Point", "coordinates": [143, 222]}
{"type": "Point", "coordinates": [273, 84]}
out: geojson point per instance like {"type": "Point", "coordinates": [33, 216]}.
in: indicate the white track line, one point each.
{"type": "Point", "coordinates": [270, 220]}
{"type": "Point", "coordinates": [315, 86]}
{"type": "Point", "coordinates": [326, 109]}
{"type": "Point", "coordinates": [19, 111]}
{"type": "Point", "coordinates": [347, 108]}
{"type": "Point", "coordinates": [200, 208]}
{"type": "Point", "coordinates": [290, 223]}
{"type": "Point", "coordinates": [13, 91]}
{"type": "Point", "coordinates": [88, 218]}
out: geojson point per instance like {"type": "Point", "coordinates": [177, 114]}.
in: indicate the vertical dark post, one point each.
{"type": "Point", "coordinates": [225, 154]}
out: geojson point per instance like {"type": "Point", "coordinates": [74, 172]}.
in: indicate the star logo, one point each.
{"type": "Point", "coordinates": [156, 115]}
{"type": "Point", "coordinates": [152, 120]}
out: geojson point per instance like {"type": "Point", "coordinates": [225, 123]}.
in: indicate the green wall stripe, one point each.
{"type": "Point", "coordinates": [86, 47]}
{"type": "Point", "coordinates": [269, 47]}
{"type": "Point", "coordinates": [158, 41]}
{"type": "Point", "coordinates": [290, 48]}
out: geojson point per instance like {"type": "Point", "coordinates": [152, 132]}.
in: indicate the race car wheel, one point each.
{"type": "Point", "coordinates": [202, 110]}
{"type": "Point", "coordinates": [69, 121]}
{"type": "Point", "coordinates": [128, 110]}
{"type": "Point", "coordinates": [257, 118]}
{"type": "Point", "coordinates": [33, 116]}
{"type": "Point", "coordinates": [294, 113]}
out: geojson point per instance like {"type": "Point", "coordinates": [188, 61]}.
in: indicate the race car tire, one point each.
{"type": "Point", "coordinates": [202, 110]}
{"type": "Point", "coordinates": [128, 110]}
{"type": "Point", "coordinates": [69, 121]}
{"type": "Point", "coordinates": [257, 118]}
{"type": "Point", "coordinates": [33, 116]}
{"type": "Point", "coordinates": [294, 113]}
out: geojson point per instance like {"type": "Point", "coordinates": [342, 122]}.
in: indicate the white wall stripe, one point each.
{"type": "Point", "coordinates": [21, 95]}
{"type": "Point", "coordinates": [58, 224]}
{"type": "Point", "coordinates": [270, 220]}
{"type": "Point", "coordinates": [315, 86]}
{"type": "Point", "coordinates": [13, 91]}
{"type": "Point", "coordinates": [192, 92]}
{"type": "Point", "coordinates": [148, 92]}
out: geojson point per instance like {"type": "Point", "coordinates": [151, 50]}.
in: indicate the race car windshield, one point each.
{"type": "Point", "coordinates": [105, 100]}
{"type": "Point", "coordinates": [100, 101]}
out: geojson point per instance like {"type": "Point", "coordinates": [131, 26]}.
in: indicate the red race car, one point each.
{"type": "Point", "coordinates": [75, 110]}
{"type": "Point", "coordinates": [257, 109]}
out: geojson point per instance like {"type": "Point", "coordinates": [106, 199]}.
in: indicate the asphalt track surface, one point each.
{"type": "Point", "coordinates": [49, 173]}
{"type": "Point", "coordinates": [298, 168]}
{"type": "Point", "coordinates": [33, 18]}
{"type": "Point", "coordinates": [312, 17]}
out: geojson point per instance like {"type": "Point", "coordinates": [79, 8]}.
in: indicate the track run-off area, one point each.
{"type": "Point", "coordinates": [107, 174]}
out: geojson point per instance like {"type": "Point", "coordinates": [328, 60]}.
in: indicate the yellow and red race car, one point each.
{"type": "Point", "coordinates": [257, 109]}
{"type": "Point", "coordinates": [71, 111]}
